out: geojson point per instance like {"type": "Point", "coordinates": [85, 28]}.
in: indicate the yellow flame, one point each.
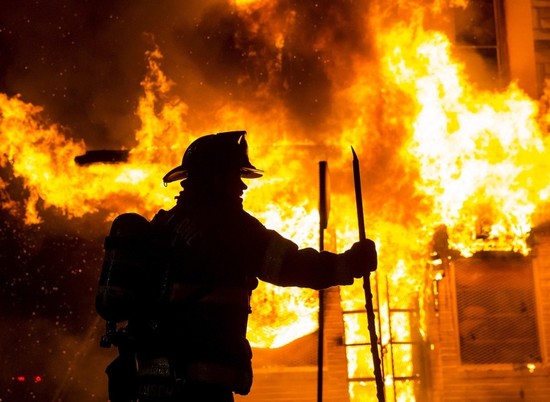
{"type": "Point", "coordinates": [479, 153]}
{"type": "Point", "coordinates": [434, 150]}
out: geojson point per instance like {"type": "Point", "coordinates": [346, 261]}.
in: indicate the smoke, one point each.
{"type": "Point", "coordinates": [83, 61]}
{"type": "Point", "coordinates": [240, 54]}
{"type": "Point", "coordinates": [43, 361]}
{"type": "Point", "coordinates": [47, 288]}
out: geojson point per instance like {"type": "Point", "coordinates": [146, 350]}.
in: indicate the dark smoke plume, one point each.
{"type": "Point", "coordinates": [84, 60]}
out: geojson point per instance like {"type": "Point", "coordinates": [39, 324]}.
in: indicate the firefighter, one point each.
{"type": "Point", "coordinates": [191, 341]}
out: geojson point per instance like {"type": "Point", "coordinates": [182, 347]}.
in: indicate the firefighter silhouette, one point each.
{"type": "Point", "coordinates": [182, 282]}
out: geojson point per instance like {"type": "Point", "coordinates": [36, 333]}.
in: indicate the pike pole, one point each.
{"type": "Point", "coordinates": [371, 320]}
{"type": "Point", "coordinates": [324, 207]}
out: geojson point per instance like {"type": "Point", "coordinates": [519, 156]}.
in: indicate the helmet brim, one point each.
{"type": "Point", "coordinates": [179, 173]}
{"type": "Point", "coordinates": [251, 173]}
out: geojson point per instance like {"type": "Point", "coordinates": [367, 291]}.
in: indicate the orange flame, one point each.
{"type": "Point", "coordinates": [434, 150]}
{"type": "Point", "coordinates": [479, 153]}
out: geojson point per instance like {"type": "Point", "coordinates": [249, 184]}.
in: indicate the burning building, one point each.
{"type": "Point", "coordinates": [445, 102]}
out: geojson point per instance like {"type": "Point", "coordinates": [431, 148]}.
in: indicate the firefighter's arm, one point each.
{"type": "Point", "coordinates": [286, 265]}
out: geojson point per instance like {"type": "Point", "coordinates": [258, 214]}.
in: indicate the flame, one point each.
{"type": "Point", "coordinates": [43, 157]}
{"type": "Point", "coordinates": [479, 153]}
{"type": "Point", "coordinates": [41, 154]}
{"type": "Point", "coordinates": [434, 149]}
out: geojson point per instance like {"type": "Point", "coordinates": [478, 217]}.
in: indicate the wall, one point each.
{"type": "Point", "coordinates": [453, 381]}
{"type": "Point", "coordinates": [541, 37]}
{"type": "Point", "coordinates": [525, 68]}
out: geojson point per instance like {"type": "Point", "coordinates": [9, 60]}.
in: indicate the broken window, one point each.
{"type": "Point", "coordinates": [478, 29]}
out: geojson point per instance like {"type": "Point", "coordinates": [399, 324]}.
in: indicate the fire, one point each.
{"type": "Point", "coordinates": [38, 152]}
{"type": "Point", "coordinates": [301, 316]}
{"type": "Point", "coordinates": [435, 150]}
{"type": "Point", "coordinates": [41, 154]}
{"type": "Point", "coordinates": [479, 153]}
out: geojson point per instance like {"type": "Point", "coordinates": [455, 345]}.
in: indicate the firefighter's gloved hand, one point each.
{"type": "Point", "coordinates": [362, 258]}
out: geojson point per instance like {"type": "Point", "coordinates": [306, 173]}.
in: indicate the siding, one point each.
{"type": "Point", "coordinates": [451, 381]}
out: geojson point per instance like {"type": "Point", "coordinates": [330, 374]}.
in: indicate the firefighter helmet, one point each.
{"type": "Point", "coordinates": [215, 152]}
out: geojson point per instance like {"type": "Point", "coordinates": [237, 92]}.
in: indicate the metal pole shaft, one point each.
{"type": "Point", "coordinates": [321, 333]}
{"type": "Point", "coordinates": [323, 221]}
{"type": "Point", "coordinates": [371, 319]}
